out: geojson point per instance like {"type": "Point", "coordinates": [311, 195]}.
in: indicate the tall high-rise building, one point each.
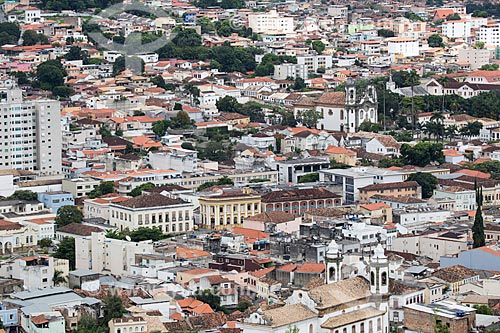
{"type": "Point", "coordinates": [30, 133]}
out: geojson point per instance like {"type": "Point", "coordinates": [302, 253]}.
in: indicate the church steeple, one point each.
{"type": "Point", "coordinates": [379, 272]}
{"type": "Point", "coordinates": [333, 263]}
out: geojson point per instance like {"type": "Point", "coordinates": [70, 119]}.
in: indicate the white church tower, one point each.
{"type": "Point", "coordinates": [379, 272]}
{"type": "Point", "coordinates": [333, 262]}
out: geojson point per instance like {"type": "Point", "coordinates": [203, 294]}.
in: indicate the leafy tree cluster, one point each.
{"type": "Point", "coordinates": [66, 250]}
{"type": "Point", "coordinates": [221, 181]}
{"type": "Point", "coordinates": [453, 17]}
{"type": "Point", "coordinates": [50, 76]}
{"type": "Point", "coordinates": [113, 308]}
{"type": "Point", "coordinates": [483, 309]}
{"type": "Point", "coordinates": [67, 215]}
{"type": "Point", "coordinates": [76, 5]}
{"type": "Point", "coordinates": [226, 4]}
{"type": "Point", "coordinates": [211, 298]}
{"type": "Point", "coordinates": [368, 126]}
{"type": "Point", "coordinates": [491, 167]}
{"type": "Point", "coordinates": [76, 53]}
{"type": "Point", "coordinates": [427, 181]}
{"type": "Point", "coordinates": [138, 235]}
{"type": "Point", "coordinates": [266, 66]}
{"type": "Point", "coordinates": [309, 178]}
{"type": "Point", "coordinates": [318, 46]}
{"type": "Point", "coordinates": [26, 195]}
{"type": "Point", "coordinates": [489, 67]}
{"type": "Point", "coordinates": [143, 187]}
{"type": "Point", "coordinates": [385, 33]}
{"type": "Point", "coordinates": [258, 180]}
{"type": "Point", "coordinates": [423, 153]}
{"type": "Point", "coordinates": [187, 45]}
{"type": "Point", "coordinates": [120, 64]}
{"type": "Point", "coordinates": [9, 33]}
{"type": "Point", "coordinates": [435, 40]}
{"type": "Point", "coordinates": [308, 118]}
{"type": "Point", "coordinates": [31, 37]}
{"type": "Point", "coordinates": [214, 151]}
{"type": "Point", "coordinates": [102, 189]}
{"type": "Point", "coordinates": [180, 121]}
{"type": "Point", "coordinates": [250, 109]}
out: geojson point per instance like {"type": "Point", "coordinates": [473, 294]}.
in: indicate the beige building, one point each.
{"type": "Point", "coordinates": [128, 325]}
{"type": "Point", "coordinates": [152, 210]}
{"type": "Point", "coordinates": [79, 187]}
{"type": "Point", "coordinates": [109, 256]}
{"type": "Point", "coordinates": [397, 189]}
{"type": "Point", "coordinates": [99, 207]}
{"type": "Point", "coordinates": [228, 208]}
{"type": "Point", "coordinates": [433, 246]}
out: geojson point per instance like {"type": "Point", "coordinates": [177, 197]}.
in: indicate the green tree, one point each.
{"type": "Point", "coordinates": [88, 324]}
{"type": "Point", "coordinates": [144, 233]}
{"type": "Point", "coordinates": [427, 181]}
{"type": "Point", "coordinates": [58, 278]}
{"type": "Point", "coordinates": [181, 120]}
{"type": "Point", "coordinates": [385, 33]}
{"type": "Point", "coordinates": [308, 118]}
{"type": "Point", "coordinates": [187, 145]}
{"type": "Point", "coordinates": [435, 40]}
{"type": "Point", "coordinates": [31, 37]}
{"type": "Point", "coordinates": [206, 24]}
{"type": "Point", "coordinates": [318, 46]}
{"type": "Point", "coordinates": [119, 65]}
{"type": "Point", "coordinates": [243, 305]}
{"type": "Point", "coordinates": [293, 329]}
{"type": "Point", "coordinates": [228, 104]}
{"type": "Point", "coordinates": [221, 181]}
{"type": "Point", "coordinates": [187, 38]}
{"type": "Point", "coordinates": [62, 91]}
{"type": "Point", "coordinates": [368, 126]}
{"type": "Point", "coordinates": [159, 81]}
{"type": "Point", "coordinates": [76, 53]}
{"type": "Point", "coordinates": [299, 83]}
{"type": "Point", "coordinates": [26, 195]}
{"type": "Point", "coordinates": [66, 250]}
{"type": "Point", "coordinates": [489, 67]}
{"type": "Point", "coordinates": [45, 242]}
{"type": "Point", "coordinates": [102, 189]}
{"type": "Point", "coordinates": [113, 308]}
{"type": "Point", "coordinates": [9, 33]}
{"type": "Point", "coordinates": [478, 226]}
{"type": "Point", "coordinates": [210, 298]}
{"type": "Point", "coordinates": [67, 215]}
{"type": "Point", "coordinates": [50, 74]}
{"type": "Point", "coordinates": [423, 153]}
{"type": "Point", "coordinates": [309, 178]}
{"type": "Point", "coordinates": [453, 17]}
{"type": "Point", "coordinates": [138, 190]}
{"type": "Point", "coordinates": [483, 309]}
{"type": "Point", "coordinates": [160, 127]}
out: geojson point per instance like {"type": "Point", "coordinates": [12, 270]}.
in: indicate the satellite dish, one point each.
{"type": "Point", "coordinates": [128, 238]}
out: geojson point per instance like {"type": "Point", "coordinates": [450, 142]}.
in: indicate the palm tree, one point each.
{"type": "Point", "coordinates": [58, 278]}
{"type": "Point", "coordinates": [442, 81]}
{"type": "Point", "coordinates": [412, 80]}
{"type": "Point", "coordinates": [451, 131]}
{"type": "Point", "coordinates": [438, 118]}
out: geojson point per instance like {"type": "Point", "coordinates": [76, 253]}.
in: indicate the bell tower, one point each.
{"type": "Point", "coordinates": [379, 272]}
{"type": "Point", "coordinates": [333, 262]}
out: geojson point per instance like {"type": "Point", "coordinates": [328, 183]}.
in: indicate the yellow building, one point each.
{"type": "Point", "coordinates": [229, 208]}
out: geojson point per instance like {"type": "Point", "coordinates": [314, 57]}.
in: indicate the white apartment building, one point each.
{"type": "Point", "coordinates": [464, 199]}
{"type": "Point", "coordinates": [404, 46]}
{"type": "Point", "coordinates": [489, 34]}
{"type": "Point", "coordinates": [152, 210]}
{"type": "Point", "coordinates": [338, 11]}
{"type": "Point", "coordinates": [31, 133]}
{"type": "Point", "coordinates": [79, 187]}
{"type": "Point", "coordinates": [313, 61]}
{"type": "Point", "coordinates": [106, 255]}
{"type": "Point", "coordinates": [283, 71]}
{"type": "Point", "coordinates": [457, 28]}
{"type": "Point", "coordinates": [475, 57]}
{"type": "Point", "coordinates": [36, 271]}
{"type": "Point", "coordinates": [271, 21]}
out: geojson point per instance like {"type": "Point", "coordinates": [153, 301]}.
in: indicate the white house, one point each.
{"type": "Point", "coordinates": [404, 46]}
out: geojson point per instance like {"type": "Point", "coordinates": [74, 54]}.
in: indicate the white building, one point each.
{"type": "Point", "coordinates": [178, 159]}
{"type": "Point", "coordinates": [271, 21]}
{"type": "Point", "coordinates": [489, 34]}
{"type": "Point", "coordinates": [99, 207]}
{"type": "Point", "coordinates": [403, 46]}
{"type": "Point", "coordinates": [338, 11]}
{"type": "Point", "coordinates": [105, 255]}
{"type": "Point", "coordinates": [315, 61]}
{"type": "Point", "coordinates": [36, 271]}
{"type": "Point", "coordinates": [464, 199]}
{"type": "Point", "coordinates": [32, 136]}
{"type": "Point", "coordinates": [283, 71]}
{"type": "Point", "coordinates": [152, 210]}
{"type": "Point", "coordinates": [457, 28]}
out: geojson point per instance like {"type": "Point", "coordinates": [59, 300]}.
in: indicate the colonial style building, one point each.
{"type": "Point", "coordinates": [228, 208]}
{"type": "Point", "coordinates": [152, 210]}
{"type": "Point", "coordinates": [341, 110]}
{"type": "Point", "coordinates": [297, 201]}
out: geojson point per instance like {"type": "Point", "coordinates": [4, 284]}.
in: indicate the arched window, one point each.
{"type": "Point", "coordinates": [361, 114]}
{"type": "Point", "coordinates": [379, 324]}
{"type": "Point", "coordinates": [331, 273]}
{"type": "Point", "coordinates": [341, 114]}
{"type": "Point", "coordinates": [311, 328]}
{"type": "Point", "coordinates": [372, 278]}
{"type": "Point", "coordinates": [384, 278]}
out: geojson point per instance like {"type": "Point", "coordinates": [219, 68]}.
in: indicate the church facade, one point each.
{"type": "Point", "coordinates": [354, 305]}
{"type": "Point", "coordinates": [341, 111]}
